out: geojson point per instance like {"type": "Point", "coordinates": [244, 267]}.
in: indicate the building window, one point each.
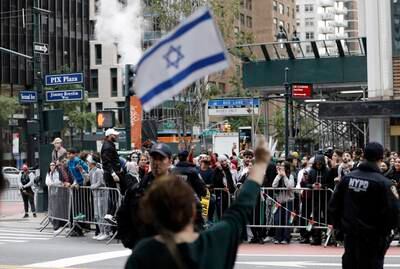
{"type": "Point", "coordinates": [249, 22]}
{"type": "Point", "coordinates": [241, 19]}
{"type": "Point", "coordinates": [98, 54]}
{"type": "Point", "coordinates": [281, 23]}
{"type": "Point", "coordinates": [241, 3]}
{"type": "Point", "coordinates": [309, 22]}
{"type": "Point", "coordinates": [99, 107]}
{"type": "Point", "coordinates": [288, 11]}
{"type": "Point", "coordinates": [92, 30]}
{"type": "Point", "coordinates": [309, 35]}
{"type": "Point", "coordinates": [121, 114]}
{"type": "Point", "coordinates": [249, 4]}
{"type": "Point", "coordinates": [288, 28]}
{"type": "Point", "coordinates": [114, 82]}
{"type": "Point", "coordinates": [94, 83]}
{"type": "Point", "coordinates": [281, 9]}
{"type": "Point", "coordinates": [309, 8]}
{"type": "Point", "coordinates": [275, 20]}
{"type": "Point", "coordinates": [293, 14]}
{"type": "Point", "coordinates": [297, 8]}
{"type": "Point", "coordinates": [308, 49]}
{"type": "Point", "coordinates": [298, 23]}
{"type": "Point", "coordinates": [275, 5]}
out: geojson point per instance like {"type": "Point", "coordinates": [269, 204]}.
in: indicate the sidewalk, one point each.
{"type": "Point", "coordinates": [9, 209]}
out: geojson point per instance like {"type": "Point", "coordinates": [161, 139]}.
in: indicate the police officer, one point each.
{"type": "Point", "coordinates": [365, 206]}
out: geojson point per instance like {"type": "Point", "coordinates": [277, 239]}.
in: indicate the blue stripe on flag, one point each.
{"type": "Point", "coordinates": [178, 33]}
{"type": "Point", "coordinates": [182, 75]}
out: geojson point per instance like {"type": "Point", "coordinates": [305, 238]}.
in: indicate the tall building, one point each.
{"type": "Point", "coordinates": [65, 28]}
{"type": "Point", "coordinates": [326, 20]}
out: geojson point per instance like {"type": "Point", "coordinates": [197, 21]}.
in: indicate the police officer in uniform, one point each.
{"type": "Point", "coordinates": [366, 207]}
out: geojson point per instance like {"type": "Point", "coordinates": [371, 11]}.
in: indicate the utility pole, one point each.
{"type": "Point", "coordinates": [287, 95]}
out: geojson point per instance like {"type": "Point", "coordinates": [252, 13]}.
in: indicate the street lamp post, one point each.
{"type": "Point", "coordinates": [287, 96]}
{"type": "Point", "coordinates": [281, 37]}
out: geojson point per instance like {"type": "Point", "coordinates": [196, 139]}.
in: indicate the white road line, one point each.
{"type": "Point", "coordinates": [300, 255]}
{"type": "Point", "coordinates": [13, 241]}
{"type": "Point", "coordinates": [61, 263]}
{"type": "Point", "coordinates": [23, 231]}
{"type": "Point", "coordinates": [28, 235]}
{"type": "Point", "coordinates": [22, 238]}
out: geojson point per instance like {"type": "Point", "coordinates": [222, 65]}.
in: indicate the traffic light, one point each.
{"type": "Point", "coordinates": [105, 119]}
{"type": "Point", "coordinates": [130, 74]}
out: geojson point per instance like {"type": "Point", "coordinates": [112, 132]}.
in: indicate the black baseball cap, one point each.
{"type": "Point", "coordinates": [183, 153]}
{"type": "Point", "coordinates": [373, 152]}
{"type": "Point", "coordinates": [162, 149]}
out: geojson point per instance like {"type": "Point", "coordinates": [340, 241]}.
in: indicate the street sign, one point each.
{"type": "Point", "coordinates": [63, 79]}
{"type": "Point", "coordinates": [302, 91]}
{"type": "Point", "coordinates": [41, 48]}
{"type": "Point", "coordinates": [233, 106]}
{"type": "Point", "coordinates": [27, 97]}
{"type": "Point", "coordinates": [66, 95]}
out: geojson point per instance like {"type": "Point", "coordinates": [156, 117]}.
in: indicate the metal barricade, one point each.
{"type": "Point", "coordinates": [223, 200]}
{"type": "Point", "coordinates": [59, 207]}
{"type": "Point", "coordinates": [292, 208]}
{"type": "Point", "coordinates": [89, 206]}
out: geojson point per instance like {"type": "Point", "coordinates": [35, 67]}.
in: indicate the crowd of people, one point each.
{"type": "Point", "coordinates": [215, 180]}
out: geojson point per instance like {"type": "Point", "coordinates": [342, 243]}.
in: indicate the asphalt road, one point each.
{"type": "Point", "coordinates": [23, 246]}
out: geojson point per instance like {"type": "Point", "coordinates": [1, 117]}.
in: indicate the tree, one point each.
{"type": "Point", "coordinates": [8, 106]}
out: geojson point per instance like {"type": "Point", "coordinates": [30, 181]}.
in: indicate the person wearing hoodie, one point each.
{"type": "Point", "coordinates": [318, 179]}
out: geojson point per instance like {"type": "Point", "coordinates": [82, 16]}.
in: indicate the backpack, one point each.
{"type": "Point", "coordinates": [130, 227]}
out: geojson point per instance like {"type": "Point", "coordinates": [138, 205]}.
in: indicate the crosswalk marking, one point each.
{"type": "Point", "coordinates": [22, 236]}
{"type": "Point", "coordinates": [27, 235]}
{"type": "Point", "coordinates": [23, 231]}
{"type": "Point", "coordinates": [13, 241]}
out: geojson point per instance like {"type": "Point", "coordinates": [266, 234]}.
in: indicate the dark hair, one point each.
{"type": "Point", "coordinates": [287, 166]}
{"type": "Point", "coordinates": [83, 155]}
{"type": "Point", "coordinates": [96, 157]}
{"type": "Point", "coordinates": [73, 150]}
{"type": "Point", "coordinates": [166, 195]}
{"type": "Point", "coordinates": [339, 152]}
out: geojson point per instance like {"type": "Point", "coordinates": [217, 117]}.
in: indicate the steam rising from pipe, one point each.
{"type": "Point", "coordinates": [122, 24]}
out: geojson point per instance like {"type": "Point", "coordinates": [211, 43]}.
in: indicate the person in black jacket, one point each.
{"type": "Point", "coordinates": [188, 172]}
{"type": "Point", "coordinates": [318, 178]}
{"type": "Point", "coordinates": [366, 207]}
{"type": "Point", "coordinates": [223, 180]}
{"type": "Point", "coordinates": [112, 169]}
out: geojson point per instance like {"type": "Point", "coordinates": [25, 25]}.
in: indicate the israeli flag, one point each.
{"type": "Point", "coordinates": [193, 50]}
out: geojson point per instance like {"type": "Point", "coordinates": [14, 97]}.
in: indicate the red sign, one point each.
{"type": "Point", "coordinates": [303, 91]}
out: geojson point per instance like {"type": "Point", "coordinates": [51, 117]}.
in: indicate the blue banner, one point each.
{"type": "Point", "coordinates": [63, 79]}
{"type": "Point", "coordinates": [67, 95]}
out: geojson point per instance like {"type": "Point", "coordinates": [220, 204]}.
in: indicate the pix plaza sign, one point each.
{"type": "Point", "coordinates": [233, 106]}
{"type": "Point", "coordinates": [63, 79]}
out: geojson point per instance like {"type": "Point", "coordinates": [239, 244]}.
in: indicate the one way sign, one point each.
{"type": "Point", "coordinates": [41, 48]}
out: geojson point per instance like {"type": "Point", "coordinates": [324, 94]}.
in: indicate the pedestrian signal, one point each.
{"type": "Point", "coordinates": [105, 119]}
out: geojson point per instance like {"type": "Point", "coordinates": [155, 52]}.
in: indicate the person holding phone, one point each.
{"type": "Point", "coordinates": [285, 197]}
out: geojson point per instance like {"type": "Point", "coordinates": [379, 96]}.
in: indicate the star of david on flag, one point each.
{"type": "Point", "coordinates": [193, 50]}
